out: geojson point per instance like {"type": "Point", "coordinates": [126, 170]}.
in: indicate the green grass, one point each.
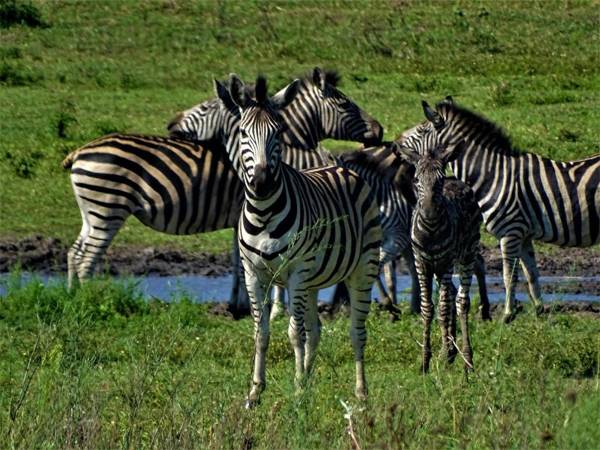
{"type": "Point", "coordinates": [101, 368]}
{"type": "Point", "coordinates": [103, 66]}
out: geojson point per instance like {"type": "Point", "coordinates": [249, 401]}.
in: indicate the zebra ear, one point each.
{"type": "Point", "coordinates": [224, 95]}
{"type": "Point", "coordinates": [432, 115]}
{"type": "Point", "coordinates": [280, 101]}
{"type": "Point", "coordinates": [407, 154]}
{"type": "Point", "coordinates": [261, 90]}
{"type": "Point", "coordinates": [449, 100]}
{"type": "Point", "coordinates": [237, 91]}
{"type": "Point", "coordinates": [319, 78]}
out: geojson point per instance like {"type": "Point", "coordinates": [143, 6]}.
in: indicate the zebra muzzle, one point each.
{"type": "Point", "coordinates": [260, 180]}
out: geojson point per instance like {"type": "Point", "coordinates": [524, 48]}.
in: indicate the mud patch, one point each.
{"type": "Point", "coordinates": [49, 255]}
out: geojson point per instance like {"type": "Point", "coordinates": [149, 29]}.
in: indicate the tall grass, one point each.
{"type": "Point", "coordinates": [101, 368]}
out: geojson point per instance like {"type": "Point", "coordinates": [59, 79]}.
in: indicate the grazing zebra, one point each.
{"type": "Point", "coordinates": [444, 233]}
{"type": "Point", "coordinates": [304, 230]}
{"type": "Point", "coordinates": [523, 196]}
{"type": "Point", "coordinates": [170, 184]}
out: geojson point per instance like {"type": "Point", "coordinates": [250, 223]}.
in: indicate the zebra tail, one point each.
{"type": "Point", "coordinates": [70, 159]}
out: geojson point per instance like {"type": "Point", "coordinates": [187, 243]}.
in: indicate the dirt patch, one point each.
{"type": "Point", "coordinates": [49, 255]}
{"type": "Point", "coordinates": [583, 262]}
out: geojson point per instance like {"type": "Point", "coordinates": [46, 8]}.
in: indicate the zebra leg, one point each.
{"type": "Point", "coordinates": [239, 304]}
{"type": "Point", "coordinates": [75, 252]}
{"type": "Point", "coordinates": [278, 307]}
{"type": "Point", "coordinates": [389, 274]}
{"type": "Point", "coordinates": [296, 330]}
{"type": "Point", "coordinates": [94, 246]}
{"type": "Point", "coordinates": [313, 331]}
{"type": "Point", "coordinates": [425, 284]}
{"type": "Point", "coordinates": [532, 274]}
{"type": "Point", "coordinates": [409, 257]}
{"type": "Point", "coordinates": [360, 302]}
{"type": "Point", "coordinates": [463, 305]}
{"type": "Point", "coordinates": [446, 317]}
{"type": "Point", "coordinates": [484, 302]}
{"type": "Point", "coordinates": [260, 313]}
{"type": "Point", "coordinates": [386, 299]}
{"type": "Point", "coordinates": [511, 250]}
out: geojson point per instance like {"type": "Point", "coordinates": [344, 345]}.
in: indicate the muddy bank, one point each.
{"type": "Point", "coordinates": [49, 255]}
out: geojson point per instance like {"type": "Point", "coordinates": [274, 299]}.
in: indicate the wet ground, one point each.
{"type": "Point", "coordinates": [571, 274]}
{"type": "Point", "coordinates": [49, 255]}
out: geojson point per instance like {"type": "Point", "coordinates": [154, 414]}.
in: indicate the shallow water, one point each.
{"type": "Point", "coordinates": [203, 289]}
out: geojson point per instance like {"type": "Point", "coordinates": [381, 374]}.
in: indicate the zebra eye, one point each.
{"type": "Point", "coordinates": [243, 133]}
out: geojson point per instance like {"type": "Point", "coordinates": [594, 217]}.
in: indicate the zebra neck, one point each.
{"type": "Point", "coordinates": [483, 168]}
{"type": "Point", "coordinates": [303, 120]}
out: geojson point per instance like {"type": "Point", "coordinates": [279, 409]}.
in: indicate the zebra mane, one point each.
{"type": "Point", "coordinates": [385, 165]}
{"type": "Point", "coordinates": [332, 77]}
{"type": "Point", "coordinates": [479, 127]}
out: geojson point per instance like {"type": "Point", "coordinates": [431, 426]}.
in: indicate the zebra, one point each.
{"type": "Point", "coordinates": [523, 196]}
{"type": "Point", "coordinates": [390, 177]}
{"type": "Point", "coordinates": [319, 111]}
{"type": "Point", "coordinates": [305, 230]}
{"type": "Point", "coordinates": [444, 233]}
{"type": "Point", "coordinates": [171, 184]}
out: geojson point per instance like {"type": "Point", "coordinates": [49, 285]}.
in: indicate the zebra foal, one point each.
{"type": "Point", "coordinates": [523, 196]}
{"type": "Point", "coordinates": [444, 234]}
{"type": "Point", "coordinates": [323, 222]}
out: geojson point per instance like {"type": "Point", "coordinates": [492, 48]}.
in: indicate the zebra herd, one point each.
{"type": "Point", "coordinates": [306, 219]}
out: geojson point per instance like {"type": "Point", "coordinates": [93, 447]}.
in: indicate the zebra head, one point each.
{"type": "Point", "coordinates": [434, 128]}
{"type": "Point", "coordinates": [425, 149]}
{"type": "Point", "coordinates": [259, 129]}
{"type": "Point", "coordinates": [335, 116]}
{"type": "Point", "coordinates": [213, 120]}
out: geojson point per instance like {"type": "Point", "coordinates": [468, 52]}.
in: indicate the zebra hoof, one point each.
{"type": "Point", "coordinates": [485, 314]}
{"type": "Point", "coordinates": [251, 403]}
{"type": "Point", "coordinates": [539, 309]}
{"type": "Point", "coordinates": [508, 317]}
{"type": "Point", "coordinates": [361, 394]}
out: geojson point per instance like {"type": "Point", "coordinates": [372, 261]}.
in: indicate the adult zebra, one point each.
{"type": "Point", "coordinates": [306, 230]}
{"type": "Point", "coordinates": [523, 196]}
{"type": "Point", "coordinates": [319, 111]}
{"type": "Point", "coordinates": [173, 185]}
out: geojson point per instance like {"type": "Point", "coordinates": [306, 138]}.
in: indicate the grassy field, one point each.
{"type": "Point", "coordinates": [101, 368]}
{"type": "Point", "coordinates": [85, 68]}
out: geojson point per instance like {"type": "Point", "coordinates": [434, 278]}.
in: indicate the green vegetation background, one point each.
{"type": "Point", "coordinates": [86, 68]}
{"type": "Point", "coordinates": [102, 368]}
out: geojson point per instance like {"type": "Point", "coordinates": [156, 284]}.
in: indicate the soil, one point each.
{"type": "Point", "coordinates": [49, 255]}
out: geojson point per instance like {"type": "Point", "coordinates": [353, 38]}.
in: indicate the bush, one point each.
{"type": "Point", "coordinates": [13, 12]}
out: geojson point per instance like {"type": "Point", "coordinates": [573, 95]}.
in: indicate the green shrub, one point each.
{"type": "Point", "coordinates": [14, 12]}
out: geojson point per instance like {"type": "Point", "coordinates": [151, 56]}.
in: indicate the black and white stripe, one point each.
{"type": "Point", "coordinates": [523, 196]}
{"type": "Point", "coordinates": [444, 234]}
{"type": "Point", "coordinates": [303, 230]}
{"type": "Point", "coordinates": [171, 185]}
{"type": "Point", "coordinates": [319, 111]}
